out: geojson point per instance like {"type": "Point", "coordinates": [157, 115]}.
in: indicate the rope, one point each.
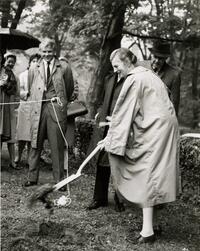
{"type": "Point", "coordinates": [66, 153]}
{"type": "Point", "coordinates": [31, 101]}
{"type": "Point", "coordinates": [57, 99]}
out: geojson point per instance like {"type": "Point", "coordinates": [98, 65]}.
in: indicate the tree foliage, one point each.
{"type": "Point", "coordinates": [93, 28]}
{"type": "Point", "coordinates": [11, 11]}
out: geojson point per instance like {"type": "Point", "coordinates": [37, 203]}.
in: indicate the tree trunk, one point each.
{"type": "Point", "coordinates": [111, 42]}
{"type": "Point", "coordinates": [5, 8]}
{"type": "Point", "coordinates": [195, 67]}
{"type": "Point", "coordinates": [20, 8]}
{"type": "Point", "coordinates": [58, 44]}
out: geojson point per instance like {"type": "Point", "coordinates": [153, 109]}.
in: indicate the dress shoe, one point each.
{"type": "Point", "coordinates": [148, 239]}
{"type": "Point", "coordinates": [30, 183]}
{"type": "Point", "coordinates": [157, 230]}
{"type": "Point", "coordinates": [15, 166]}
{"type": "Point", "coordinates": [96, 204]}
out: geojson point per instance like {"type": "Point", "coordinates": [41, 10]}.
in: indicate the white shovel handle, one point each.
{"type": "Point", "coordinates": [96, 149]}
{"type": "Point", "coordinates": [78, 173]}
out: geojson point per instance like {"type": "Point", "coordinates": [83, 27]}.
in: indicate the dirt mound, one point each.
{"type": "Point", "coordinates": [25, 244]}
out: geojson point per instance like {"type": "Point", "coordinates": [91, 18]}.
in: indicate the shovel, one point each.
{"type": "Point", "coordinates": [42, 192]}
{"type": "Point", "coordinates": [78, 173]}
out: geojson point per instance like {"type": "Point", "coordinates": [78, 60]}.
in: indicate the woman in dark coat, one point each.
{"type": "Point", "coordinates": [8, 88]}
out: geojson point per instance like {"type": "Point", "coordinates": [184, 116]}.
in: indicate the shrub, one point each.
{"type": "Point", "coordinates": [83, 133]}
{"type": "Point", "coordinates": [190, 169]}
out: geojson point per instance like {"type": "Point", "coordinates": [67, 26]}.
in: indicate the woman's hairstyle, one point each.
{"type": "Point", "coordinates": [124, 54]}
{"type": "Point", "coordinates": [33, 56]}
{"type": "Point", "coordinates": [10, 55]}
{"type": "Point", "coordinates": [48, 42]}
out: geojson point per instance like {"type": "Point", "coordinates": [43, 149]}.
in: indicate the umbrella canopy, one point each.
{"type": "Point", "coordinates": [16, 39]}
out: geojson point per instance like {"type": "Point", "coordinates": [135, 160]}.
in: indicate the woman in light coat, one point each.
{"type": "Point", "coordinates": [142, 140]}
{"type": "Point", "coordinates": [23, 122]}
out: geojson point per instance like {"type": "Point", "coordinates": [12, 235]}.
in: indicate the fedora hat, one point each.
{"type": "Point", "coordinates": [160, 49]}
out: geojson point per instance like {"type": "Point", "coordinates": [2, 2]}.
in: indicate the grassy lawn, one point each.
{"type": "Point", "coordinates": [75, 228]}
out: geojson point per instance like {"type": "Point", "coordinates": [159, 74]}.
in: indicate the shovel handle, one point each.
{"type": "Point", "coordinates": [78, 173]}
{"type": "Point", "coordinates": [89, 157]}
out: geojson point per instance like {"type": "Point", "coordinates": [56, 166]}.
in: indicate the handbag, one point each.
{"type": "Point", "coordinates": [76, 108]}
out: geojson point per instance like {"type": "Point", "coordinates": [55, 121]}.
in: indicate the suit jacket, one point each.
{"type": "Point", "coordinates": [109, 101]}
{"type": "Point", "coordinates": [62, 82]}
{"type": "Point", "coordinates": [171, 76]}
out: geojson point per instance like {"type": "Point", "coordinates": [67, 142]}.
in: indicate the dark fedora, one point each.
{"type": "Point", "coordinates": [160, 49]}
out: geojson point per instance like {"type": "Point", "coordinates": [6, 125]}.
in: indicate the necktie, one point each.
{"type": "Point", "coordinates": [48, 72]}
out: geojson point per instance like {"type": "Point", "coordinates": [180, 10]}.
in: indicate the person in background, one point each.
{"type": "Point", "coordinates": [169, 74]}
{"type": "Point", "coordinates": [9, 94]}
{"type": "Point", "coordinates": [70, 133]}
{"type": "Point", "coordinates": [113, 85]}
{"type": "Point", "coordinates": [48, 80]}
{"type": "Point", "coordinates": [23, 122]}
{"type": "Point", "coordinates": [142, 141]}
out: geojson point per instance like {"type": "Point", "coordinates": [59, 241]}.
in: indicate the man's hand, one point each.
{"type": "Point", "coordinates": [96, 117]}
{"type": "Point", "coordinates": [109, 118]}
{"type": "Point", "coordinates": [104, 123]}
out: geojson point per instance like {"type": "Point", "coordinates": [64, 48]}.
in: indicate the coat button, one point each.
{"type": "Point", "coordinates": [35, 112]}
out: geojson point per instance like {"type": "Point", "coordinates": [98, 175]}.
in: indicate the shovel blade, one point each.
{"type": "Point", "coordinates": [66, 181]}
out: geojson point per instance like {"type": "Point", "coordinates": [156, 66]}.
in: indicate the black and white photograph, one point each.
{"type": "Point", "coordinates": [100, 125]}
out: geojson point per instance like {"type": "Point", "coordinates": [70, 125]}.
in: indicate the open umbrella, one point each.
{"type": "Point", "coordinates": [16, 39]}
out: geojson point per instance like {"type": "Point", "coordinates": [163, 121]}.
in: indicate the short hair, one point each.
{"type": "Point", "coordinates": [124, 54]}
{"type": "Point", "coordinates": [48, 42]}
{"type": "Point", "coordinates": [33, 56]}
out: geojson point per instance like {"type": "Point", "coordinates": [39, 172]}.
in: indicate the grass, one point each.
{"type": "Point", "coordinates": [75, 228]}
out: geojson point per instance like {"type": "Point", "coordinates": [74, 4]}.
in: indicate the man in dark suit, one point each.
{"type": "Point", "coordinates": [47, 80]}
{"type": "Point", "coordinates": [169, 74]}
{"type": "Point", "coordinates": [112, 89]}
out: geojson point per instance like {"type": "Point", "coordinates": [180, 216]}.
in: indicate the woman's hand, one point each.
{"type": "Point", "coordinates": [102, 143]}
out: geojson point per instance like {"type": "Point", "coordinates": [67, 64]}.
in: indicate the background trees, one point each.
{"type": "Point", "coordinates": [86, 31]}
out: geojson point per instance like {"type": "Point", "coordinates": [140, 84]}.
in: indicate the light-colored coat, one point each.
{"type": "Point", "coordinates": [62, 80]}
{"type": "Point", "coordinates": [142, 141]}
{"type": "Point", "coordinates": [23, 121]}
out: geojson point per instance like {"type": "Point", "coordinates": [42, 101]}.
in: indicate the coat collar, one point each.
{"type": "Point", "coordinates": [137, 69]}
{"type": "Point", "coordinates": [41, 68]}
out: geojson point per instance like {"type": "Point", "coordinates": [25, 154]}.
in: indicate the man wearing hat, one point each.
{"type": "Point", "coordinates": [169, 74]}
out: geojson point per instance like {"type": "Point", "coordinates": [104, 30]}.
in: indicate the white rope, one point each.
{"type": "Point", "coordinates": [57, 99]}
{"type": "Point", "coordinates": [68, 199]}
{"type": "Point", "coordinates": [191, 135]}
{"type": "Point", "coordinates": [31, 101]}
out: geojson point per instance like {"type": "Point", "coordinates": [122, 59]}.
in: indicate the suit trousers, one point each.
{"type": "Point", "coordinates": [49, 129]}
{"type": "Point", "coordinates": [102, 183]}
